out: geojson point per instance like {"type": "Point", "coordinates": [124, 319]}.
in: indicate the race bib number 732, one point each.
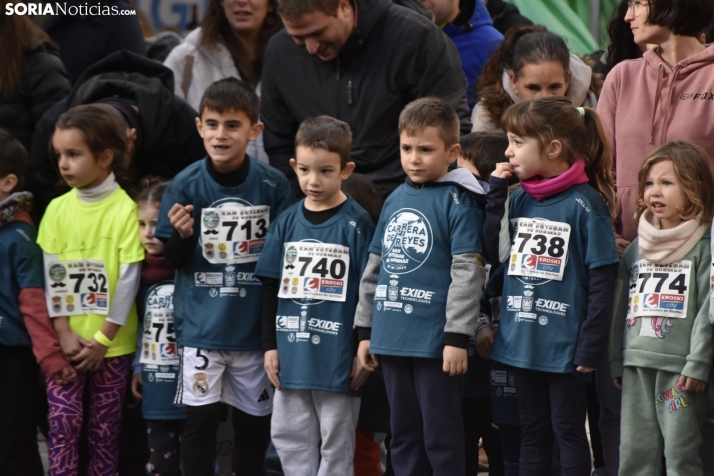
{"type": "Point", "coordinates": [77, 287]}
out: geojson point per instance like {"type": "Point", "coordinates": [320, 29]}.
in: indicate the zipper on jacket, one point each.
{"type": "Point", "coordinates": [349, 92]}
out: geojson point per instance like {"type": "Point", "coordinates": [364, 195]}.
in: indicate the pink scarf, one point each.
{"type": "Point", "coordinates": [541, 188]}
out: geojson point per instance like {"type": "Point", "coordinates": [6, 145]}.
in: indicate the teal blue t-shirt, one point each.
{"type": "Point", "coordinates": [217, 300]}
{"type": "Point", "coordinates": [541, 316]}
{"type": "Point", "coordinates": [419, 231]}
{"type": "Point", "coordinates": [314, 334]}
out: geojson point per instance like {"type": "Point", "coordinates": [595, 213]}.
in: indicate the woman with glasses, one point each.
{"type": "Point", "coordinates": [667, 94]}
{"type": "Point", "coordinates": [230, 43]}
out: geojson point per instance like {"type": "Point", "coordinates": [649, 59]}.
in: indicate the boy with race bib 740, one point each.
{"type": "Point", "coordinates": [214, 218]}
{"type": "Point", "coordinates": [311, 265]}
{"type": "Point", "coordinates": [420, 292]}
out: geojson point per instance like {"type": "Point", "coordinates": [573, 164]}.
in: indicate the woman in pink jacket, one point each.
{"type": "Point", "coordinates": [667, 94]}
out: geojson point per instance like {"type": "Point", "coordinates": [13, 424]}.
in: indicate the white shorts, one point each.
{"type": "Point", "coordinates": [232, 377]}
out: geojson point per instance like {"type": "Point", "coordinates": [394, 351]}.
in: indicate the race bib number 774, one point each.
{"type": "Point", "coordinates": [658, 290]}
{"type": "Point", "coordinates": [77, 287]}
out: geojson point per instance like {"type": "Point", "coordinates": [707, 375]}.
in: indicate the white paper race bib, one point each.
{"type": "Point", "coordinates": [539, 249]}
{"type": "Point", "coordinates": [315, 271]}
{"type": "Point", "coordinates": [77, 287]}
{"type": "Point", "coordinates": [234, 234]}
{"type": "Point", "coordinates": [159, 341]}
{"type": "Point", "coordinates": [658, 290]}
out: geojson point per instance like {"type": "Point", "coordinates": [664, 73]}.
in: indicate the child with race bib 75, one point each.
{"type": "Point", "coordinates": [661, 338]}
{"type": "Point", "coordinates": [92, 255]}
{"type": "Point", "coordinates": [559, 280]}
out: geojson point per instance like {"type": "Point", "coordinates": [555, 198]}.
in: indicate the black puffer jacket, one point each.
{"type": "Point", "coordinates": [168, 139]}
{"type": "Point", "coordinates": [44, 82]}
{"type": "Point", "coordinates": [392, 57]}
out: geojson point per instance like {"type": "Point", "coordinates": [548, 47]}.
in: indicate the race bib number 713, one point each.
{"type": "Point", "coordinates": [234, 234]}
{"type": "Point", "coordinates": [77, 287]}
{"type": "Point", "coordinates": [539, 249]}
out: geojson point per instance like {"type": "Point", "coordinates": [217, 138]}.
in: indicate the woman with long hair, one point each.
{"type": "Point", "coordinates": [230, 43]}
{"type": "Point", "coordinates": [530, 63]}
{"type": "Point", "coordinates": [32, 76]}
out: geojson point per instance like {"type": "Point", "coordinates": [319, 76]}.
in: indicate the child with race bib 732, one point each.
{"type": "Point", "coordinates": [156, 364]}
{"type": "Point", "coordinates": [92, 255]}
{"type": "Point", "coordinates": [558, 284]}
{"type": "Point", "coordinates": [661, 343]}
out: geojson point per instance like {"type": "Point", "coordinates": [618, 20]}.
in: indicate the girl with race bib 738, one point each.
{"type": "Point", "coordinates": [92, 255]}
{"type": "Point", "coordinates": [661, 338]}
{"type": "Point", "coordinates": [558, 283]}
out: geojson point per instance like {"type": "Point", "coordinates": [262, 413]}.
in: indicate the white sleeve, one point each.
{"type": "Point", "coordinates": [124, 293]}
{"type": "Point", "coordinates": [48, 258]}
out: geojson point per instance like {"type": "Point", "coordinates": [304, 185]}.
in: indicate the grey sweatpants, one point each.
{"type": "Point", "coordinates": [304, 418]}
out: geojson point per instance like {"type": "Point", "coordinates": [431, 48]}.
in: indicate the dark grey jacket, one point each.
{"type": "Point", "coordinates": [393, 56]}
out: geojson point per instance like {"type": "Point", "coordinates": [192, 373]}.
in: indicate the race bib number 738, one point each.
{"type": "Point", "coordinates": [540, 248]}
{"type": "Point", "coordinates": [77, 287]}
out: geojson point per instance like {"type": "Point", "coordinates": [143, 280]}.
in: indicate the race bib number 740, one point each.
{"type": "Point", "coordinates": [77, 287]}
{"type": "Point", "coordinates": [315, 271]}
{"type": "Point", "coordinates": [658, 290]}
{"type": "Point", "coordinates": [539, 249]}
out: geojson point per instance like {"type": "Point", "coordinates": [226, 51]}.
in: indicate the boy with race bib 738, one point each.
{"type": "Point", "coordinates": [214, 218]}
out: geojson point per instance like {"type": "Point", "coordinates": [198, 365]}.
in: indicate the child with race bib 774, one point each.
{"type": "Point", "coordinates": [661, 338]}
{"type": "Point", "coordinates": [92, 255]}
{"type": "Point", "coordinates": [559, 278]}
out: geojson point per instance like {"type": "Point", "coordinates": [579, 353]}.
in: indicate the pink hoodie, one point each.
{"type": "Point", "coordinates": [645, 103]}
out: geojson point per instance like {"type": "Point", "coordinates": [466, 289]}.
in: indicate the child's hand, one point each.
{"type": "Point", "coordinates": [617, 381]}
{"type": "Point", "coordinates": [689, 384]}
{"type": "Point", "coordinates": [90, 357]}
{"type": "Point", "coordinates": [456, 360]}
{"type": "Point", "coordinates": [272, 367]}
{"type": "Point", "coordinates": [71, 344]}
{"type": "Point", "coordinates": [503, 170]}
{"type": "Point", "coordinates": [65, 376]}
{"type": "Point", "coordinates": [621, 245]}
{"type": "Point", "coordinates": [584, 370]}
{"type": "Point", "coordinates": [180, 218]}
{"type": "Point", "coordinates": [368, 361]}
{"type": "Point", "coordinates": [136, 386]}
{"type": "Point", "coordinates": [484, 342]}
{"type": "Point", "coordinates": [358, 375]}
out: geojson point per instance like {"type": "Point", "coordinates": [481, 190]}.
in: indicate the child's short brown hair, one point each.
{"type": "Point", "coordinates": [328, 133]}
{"type": "Point", "coordinates": [691, 165]}
{"type": "Point", "coordinates": [434, 112]}
{"type": "Point", "coordinates": [231, 93]}
{"type": "Point", "coordinates": [484, 150]}
{"type": "Point", "coordinates": [12, 158]}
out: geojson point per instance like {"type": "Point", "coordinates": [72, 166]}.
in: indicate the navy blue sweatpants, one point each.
{"type": "Point", "coordinates": [558, 401]}
{"type": "Point", "coordinates": [427, 429]}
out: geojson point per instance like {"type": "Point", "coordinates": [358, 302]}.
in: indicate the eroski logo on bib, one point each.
{"type": "Point", "coordinates": [407, 241]}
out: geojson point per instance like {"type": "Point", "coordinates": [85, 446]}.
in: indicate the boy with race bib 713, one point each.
{"type": "Point", "coordinates": [313, 258]}
{"type": "Point", "coordinates": [420, 292]}
{"type": "Point", "coordinates": [214, 218]}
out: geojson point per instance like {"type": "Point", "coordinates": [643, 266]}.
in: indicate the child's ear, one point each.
{"type": "Point", "coordinates": [256, 129]}
{"type": "Point", "coordinates": [293, 164]}
{"type": "Point", "coordinates": [199, 126]}
{"type": "Point", "coordinates": [554, 149]}
{"type": "Point", "coordinates": [347, 170]}
{"type": "Point", "coordinates": [105, 158]}
{"type": "Point", "coordinates": [8, 183]}
{"type": "Point", "coordinates": [454, 152]}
